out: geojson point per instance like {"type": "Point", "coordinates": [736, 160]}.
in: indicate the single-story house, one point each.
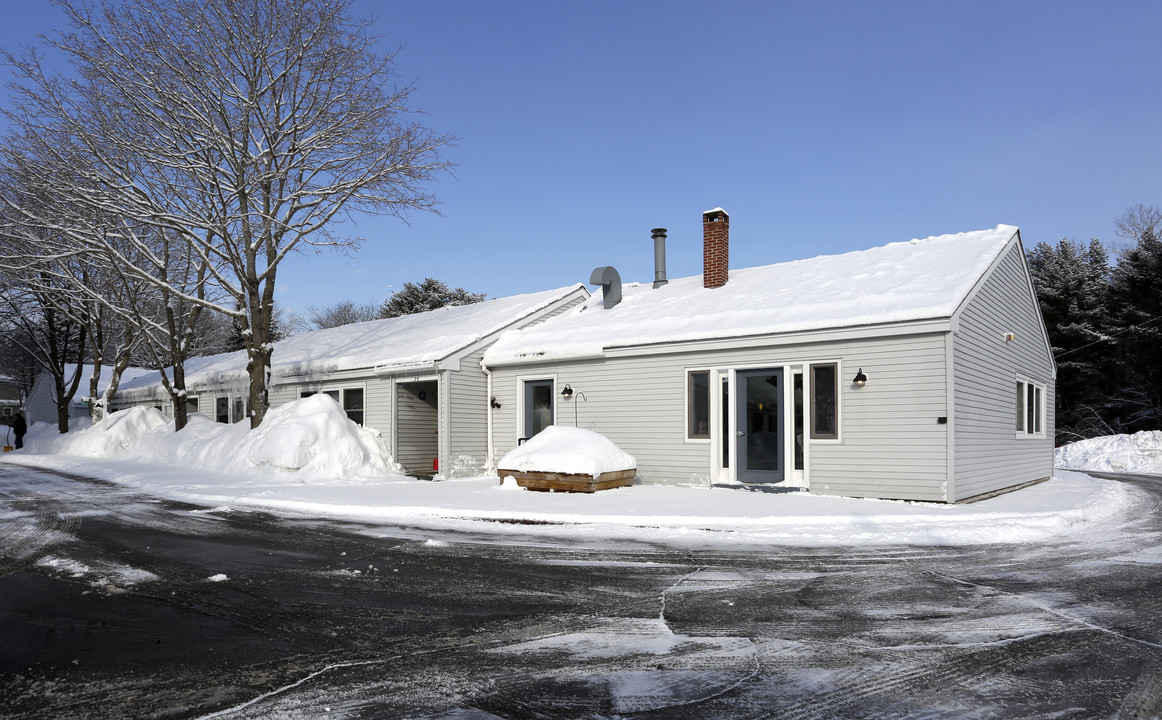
{"type": "Point", "coordinates": [417, 379]}
{"type": "Point", "coordinates": [917, 370]}
{"type": "Point", "coordinates": [40, 405]}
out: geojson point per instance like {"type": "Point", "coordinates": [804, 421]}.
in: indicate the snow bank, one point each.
{"type": "Point", "coordinates": [230, 468]}
{"type": "Point", "coordinates": [570, 450]}
{"type": "Point", "coordinates": [1139, 453]}
{"type": "Point", "coordinates": [311, 438]}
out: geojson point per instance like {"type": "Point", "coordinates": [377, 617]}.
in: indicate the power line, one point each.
{"type": "Point", "coordinates": [1109, 337]}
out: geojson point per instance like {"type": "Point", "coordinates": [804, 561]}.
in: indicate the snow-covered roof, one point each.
{"type": "Point", "coordinates": [405, 341]}
{"type": "Point", "coordinates": [899, 282]}
{"type": "Point", "coordinates": [127, 376]}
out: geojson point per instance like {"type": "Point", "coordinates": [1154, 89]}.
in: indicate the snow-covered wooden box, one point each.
{"type": "Point", "coordinates": [568, 459]}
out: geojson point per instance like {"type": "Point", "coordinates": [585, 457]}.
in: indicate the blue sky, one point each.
{"type": "Point", "coordinates": [820, 127]}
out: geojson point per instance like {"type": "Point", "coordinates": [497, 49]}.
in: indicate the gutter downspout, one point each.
{"type": "Point", "coordinates": [490, 465]}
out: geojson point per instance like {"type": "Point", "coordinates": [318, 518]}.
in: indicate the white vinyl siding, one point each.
{"type": "Point", "coordinates": [40, 405]}
{"type": "Point", "coordinates": [468, 418]}
{"type": "Point", "coordinates": [989, 456]}
{"type": "Point", "coordinates": [640, 403]}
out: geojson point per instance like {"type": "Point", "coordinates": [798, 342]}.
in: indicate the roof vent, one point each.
{"type": "Point", "coordinates": [610, 281]}
{"type": "Point", "coordinates": [659, 235]}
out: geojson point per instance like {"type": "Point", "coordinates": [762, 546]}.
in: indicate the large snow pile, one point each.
{"type": "Point", "coordinates": [311, 437]}
{"type": "Point", "coordinates": [568, 450]}
{"type": "Point", "coordinates": [1140, 453]}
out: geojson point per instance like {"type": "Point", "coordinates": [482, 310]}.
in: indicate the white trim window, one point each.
{"type": "Point", "coordinates": [351, 399]}
{"type": "Point", "coordinates": [1030, 415]}
{"type": "Point", "coordinates": [824, 399]}
{"type": "Point", "coordinates": [698, 405]}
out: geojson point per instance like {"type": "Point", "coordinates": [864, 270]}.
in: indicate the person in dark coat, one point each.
{"type": "Point", "coordinates": [19, 429]}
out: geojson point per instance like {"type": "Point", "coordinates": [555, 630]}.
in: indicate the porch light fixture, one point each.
{"type": "Point", "coordinates": [567, 392]}
{"type": "Point", "coordinates": [860, 379]}
{"type": "Point", "coordinates": [495, 405]}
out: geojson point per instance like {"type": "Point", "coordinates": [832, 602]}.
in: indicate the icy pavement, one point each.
{"type": "Point", "coordinates": [128, 606]}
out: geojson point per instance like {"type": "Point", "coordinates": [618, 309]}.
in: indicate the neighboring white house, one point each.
{"type": "Point", "coordinates": [40, 405]}
{"type": "Point", "coordinates": [11, 398]}
{"type": "Point", "coordinates": [417, 379]}
{"type": "Point", "coordinates": [918, 370]}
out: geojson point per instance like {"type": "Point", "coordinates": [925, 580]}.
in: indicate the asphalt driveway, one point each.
{"type": "Point", "coordinates": [116, 604]}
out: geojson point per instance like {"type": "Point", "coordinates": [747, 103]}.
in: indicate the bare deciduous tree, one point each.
{"type": "Point", "coordinates": [1139, 221]}
{"type": "Point", "coordinates": [37, 320]}
{"type": "Point", "coordinates": [246, 129]}
{"type": "Point", "coordinates": [344, 312]}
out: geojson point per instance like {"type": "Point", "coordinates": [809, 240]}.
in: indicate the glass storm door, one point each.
{"type": "Point", "coordinates": [759, 426]}
{"type": "Point", "coordinates": [538, 406]}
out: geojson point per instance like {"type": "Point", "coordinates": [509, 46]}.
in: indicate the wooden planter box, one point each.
{"type": "Point", "coordinates": [563, 482]}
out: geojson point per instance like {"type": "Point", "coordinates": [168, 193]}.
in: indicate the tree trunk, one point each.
{"type": "Point", "coordinates": [62, 407]}
{"type": "Point", "coordinates": [96, 404]}
{"type": "Point", "coordinates": [181, 410]}
{"type": "Point", "coordinates": [258, 368]}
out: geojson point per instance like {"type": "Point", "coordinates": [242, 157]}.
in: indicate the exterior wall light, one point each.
{"type": "Point", "coordinates": [860, 379]}
{"type": "Point", "coordinates": [495, 405]}
{"type": "Point", "coordinates": [567, 392]}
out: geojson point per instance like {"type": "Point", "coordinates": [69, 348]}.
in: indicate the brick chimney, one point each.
{"type": "Point", "coordinates": [715, 248]}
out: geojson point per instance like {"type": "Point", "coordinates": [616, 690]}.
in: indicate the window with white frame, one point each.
{"type": "Point", "coordinates": [353, 404]}
{"type": "Point", "coordinates": [825, 401]}
{"type": "Point", "coordinates": [350, 399]}
{"type": "Point", "coordinates": [698, 405]}
{"type": "Point", "coordinates": [1030, 408]}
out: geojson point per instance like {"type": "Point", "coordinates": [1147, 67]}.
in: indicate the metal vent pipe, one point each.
{"type": "Point", "coordinates": [659, 235]}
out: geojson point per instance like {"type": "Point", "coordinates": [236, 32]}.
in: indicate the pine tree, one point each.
{"type": "Point", "coordinates": [428, 295]}
{"type": "Point", "coordinates": [1136, 306]}
{"type": "Point", "coordinates": [1072, 283]}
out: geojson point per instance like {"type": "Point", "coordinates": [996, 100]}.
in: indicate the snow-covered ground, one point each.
{"type": "Point", "coordinates": [1137, 453]}
{"type": "Point", "coordinates": [308, 458]}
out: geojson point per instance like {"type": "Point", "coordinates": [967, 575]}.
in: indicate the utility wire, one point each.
{"type": "Point", "coordinates": [1109, 337]}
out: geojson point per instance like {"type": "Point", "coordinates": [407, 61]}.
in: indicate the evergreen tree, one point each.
{"type": "Point", "coordinates": [1136, 307]}
{"type": "Point", "coordinates": [1072, 283]}
{"type": "Point", "coordinates": [428, 295]}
